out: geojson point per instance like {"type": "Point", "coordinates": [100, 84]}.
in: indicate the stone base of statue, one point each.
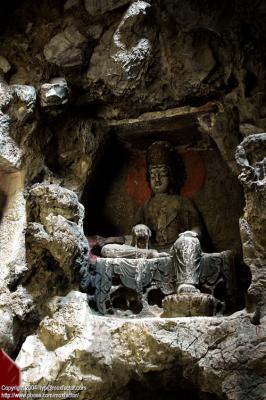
{"type": "Point", "coordinates": [127, 277]}
{"type": "Point", "coordinates": [191, 305]}
{"type": "Point", "coordinates": [135, 274]}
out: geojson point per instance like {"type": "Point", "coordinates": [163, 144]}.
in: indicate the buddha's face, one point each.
{"type": "Point", "coordinates": [159, 178]}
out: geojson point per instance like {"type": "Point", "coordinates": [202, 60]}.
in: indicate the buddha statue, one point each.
{"type": "Point", "coordinates": [170, 221]}
{"type": "Point", "coordinates": [167, 213]}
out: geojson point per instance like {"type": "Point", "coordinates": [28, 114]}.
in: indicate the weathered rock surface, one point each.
{"type": "Point", "coordinates": [57, 254]}
{"type": "Point", "coordinates": [66, 48]}
{"type": "Point", "coordinates": [190, 305]}
{"type": "Point", "coordinates": [57, 248]}
{"type": "Point", "coordinates": [12, 232]}
{"type": "Point", "coordinates": [222, 357]}
{"type": "Point", "coordinates": [95, 7]}
{"type": "Point", "coordinates": [251, 160]}
{"type": "Point", "coordinates": [4, 65]}
{"type": "Point", "coordinates": [45, 199]}
{"type": "Point", "coordinates": [15, 309]}
{"type": "Point", "coordinates": [128, 49]}
{"type": "Point", "coordinates": [223, 127]}
{"type": "Point", "coordinates": [72, 150]}
{"type": "Point", "coordinates": [17, 103]}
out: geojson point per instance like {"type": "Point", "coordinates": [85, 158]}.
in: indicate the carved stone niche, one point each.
{"type": "Point", "coordinates": [118, 188]}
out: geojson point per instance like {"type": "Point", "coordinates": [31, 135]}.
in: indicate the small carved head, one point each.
{"type": "Point", "coordinates": [140, 236]}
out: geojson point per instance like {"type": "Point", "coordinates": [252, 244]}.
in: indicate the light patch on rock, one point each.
{"type": "Point", "coordinates": [13, 224]}
{"type": "Point", "coordinates": [135, 56]}
{"type": "Point", "coordinates": [4, 65]}
{"type": "Point", "coordinates": [18, 101]}
{"type": "Point", "coordinates": [130, 58]}
{"type": "Point", "coordinates": [15, 307]}
{"type": "Point", "coordinates": [70, 4]}
{"type": "Point", "coordinates": [54, 93]}
{"type": "Point", "coordinates": [127, 50]}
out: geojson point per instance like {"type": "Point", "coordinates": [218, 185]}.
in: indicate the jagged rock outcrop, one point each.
{"type": "Point", "coordinates": [127, 57]}
{"type": "Point", "coordinates": [16, 314]}
{"type": "Point", "coordinates": [17, 104]}
{"type": "Point", "coordinates": [46, 199]}
{"type": "Point", "coordinates": [17, 128]}
{"type": "Point", "coordinates": [58, 250]}
{"type": "Point", "coordinates": [208, 357]}
{"type": "Point", "coordinates": [251, 160]}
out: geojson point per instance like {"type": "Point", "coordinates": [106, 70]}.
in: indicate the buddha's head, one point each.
{"type": "Point", "coordinates": [159, 178]}
{"type": "Point", "coordinates": [166, 172]}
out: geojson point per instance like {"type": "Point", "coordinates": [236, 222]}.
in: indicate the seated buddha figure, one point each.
{"type": "Point", "coordinates": [167, 213]}
{"type": "Point", "coordinates": [172, 222]}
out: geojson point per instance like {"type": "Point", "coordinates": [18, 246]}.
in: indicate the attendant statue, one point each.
{"type": "Point", "coordinates": [170, 221]}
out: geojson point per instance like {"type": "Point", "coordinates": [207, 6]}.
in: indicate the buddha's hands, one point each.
{"type": "Point", "coordinates": [156, 254]}
{"type": "Point", "coordinates": [163, 254]}
{"type": "Point", "coordinates": [191, 233]}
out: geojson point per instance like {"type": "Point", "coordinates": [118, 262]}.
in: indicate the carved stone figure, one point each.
{"type": "Point", "coordinates": [139, 247]}
{"type": "Point", "coordinates": [166, 215]}
{"type": "Point", "coordinates": [140, 236]}
{"type": "Point", "coordinates": [172, 218]}
{"type": "Point", "coordinates": [165, 251]}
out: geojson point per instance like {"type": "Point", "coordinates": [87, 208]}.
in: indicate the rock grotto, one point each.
{"type": "Point", "coordinates": [133, 197]}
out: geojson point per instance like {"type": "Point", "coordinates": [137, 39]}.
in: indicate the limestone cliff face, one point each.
{"type": "Point", "coordinates": [85, 87]}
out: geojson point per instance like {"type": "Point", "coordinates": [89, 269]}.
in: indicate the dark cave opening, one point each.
{"type": "Point", "coordinates": [126, 299]}
{"type": "Point", "coordinates": [3, 203]}
{"type": "Point", "coordinates": [155, 297]}
{"type": "Point", "coordinates": [251, 82]}
{"type": "Point", "coordinates": [106, 172]}
{"type": "Point", "coordinates": [169, 385]}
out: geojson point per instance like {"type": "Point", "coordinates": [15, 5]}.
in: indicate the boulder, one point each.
{"type": "Point", "coordinates": [66, 48]}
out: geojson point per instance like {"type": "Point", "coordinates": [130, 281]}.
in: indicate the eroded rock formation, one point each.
{"type": "Point", "coordinates": [207, 358]}
{"type": "Point", "coordinates": [85, 88]}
